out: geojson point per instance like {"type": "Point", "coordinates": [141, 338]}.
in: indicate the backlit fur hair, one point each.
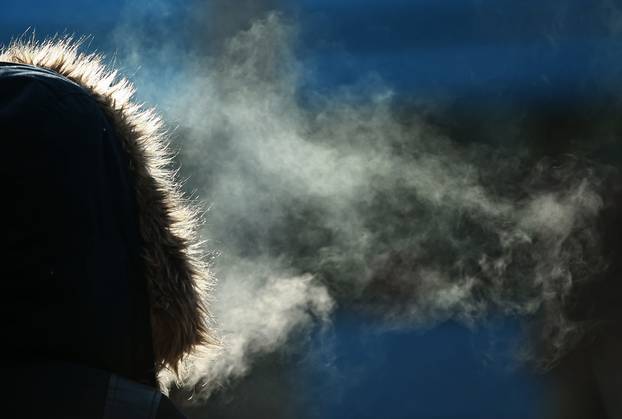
{"type": "Point", "coordinates": [177, 275]}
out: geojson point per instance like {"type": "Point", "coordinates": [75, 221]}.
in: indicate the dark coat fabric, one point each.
{"type": "Point", "coordinates": [75, 315]}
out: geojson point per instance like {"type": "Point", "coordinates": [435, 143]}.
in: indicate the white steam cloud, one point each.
{"type": "Point", "coordinates": [257, 312]}
{"type": "Point", "coordinates": [324, 199]}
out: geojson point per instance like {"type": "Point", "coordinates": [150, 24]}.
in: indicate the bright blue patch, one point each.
{"type": "Point", "coordinates": [447, 372]}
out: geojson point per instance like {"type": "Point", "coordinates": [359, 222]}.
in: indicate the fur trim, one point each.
{"type": "Point", "coordinates": [177, 276]}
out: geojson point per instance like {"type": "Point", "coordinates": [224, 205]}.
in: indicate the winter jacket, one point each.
{"type": "Point", "coordinates": [102, 276]}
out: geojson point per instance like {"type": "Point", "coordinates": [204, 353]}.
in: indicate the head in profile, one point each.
{"type": "Point", "coordinates": [103, 277]}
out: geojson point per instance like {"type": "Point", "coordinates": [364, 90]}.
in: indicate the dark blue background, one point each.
{"type": "Point", "coordinates": [484, 50]}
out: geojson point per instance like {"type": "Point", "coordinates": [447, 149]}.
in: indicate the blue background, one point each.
{"type": "Point", "coordinates": [482, 52]}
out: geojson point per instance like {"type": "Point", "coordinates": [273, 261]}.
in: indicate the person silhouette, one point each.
{"type": "Point", "coordinates": [103, 276]}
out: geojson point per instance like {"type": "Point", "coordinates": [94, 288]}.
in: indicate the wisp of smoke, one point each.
{"type": "Point", "coordinates": [317, 200]}
{"type": "Point", "coordinates": [260, 309]}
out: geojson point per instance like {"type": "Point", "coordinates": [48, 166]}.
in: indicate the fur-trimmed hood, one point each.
{"type": "Point", "coordinates": [173, 262]}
